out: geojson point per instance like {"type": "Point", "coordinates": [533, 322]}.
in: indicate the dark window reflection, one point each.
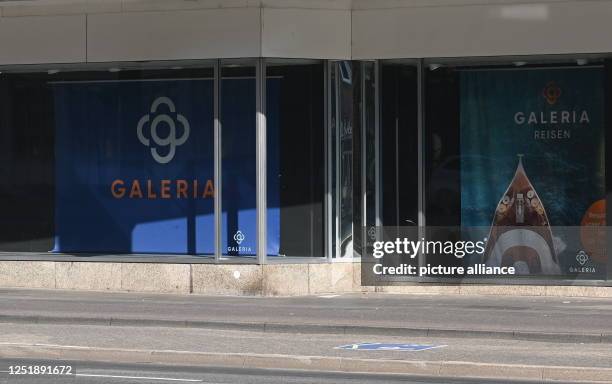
{"type": "Point", "coordinates": [443, 178]}
{"type": "Point", "coordinates": [399, 143]}
{"type": "Point", "coordinates": [345, 152]}
{"type": "Point", "coordinates": [27, 156]}
{"type": "Point", "coordinates": [296, 159]}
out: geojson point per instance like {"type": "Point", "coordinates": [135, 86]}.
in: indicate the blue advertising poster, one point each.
{"type": "Point", "coordinates": [239, 172]}
{"type": "Point", "coordinates": [532, 154]}
{"type": "Point", "coordinates": [134, 169]}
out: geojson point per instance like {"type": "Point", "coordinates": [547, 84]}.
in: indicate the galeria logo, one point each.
{"type": "Point", "coordinates": [585, 265]}
{"type": "Point", "coordinates": [551, 93]}
{"type": "Point", "coordinates": [239, 237]}
{"type": "Point", "coordinates": [171, 141]}
{"type": "Point", "coordinates": [582, 258]}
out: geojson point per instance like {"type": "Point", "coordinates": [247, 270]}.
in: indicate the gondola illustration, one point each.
{"type": "Point", "coordinates": [520, 234]}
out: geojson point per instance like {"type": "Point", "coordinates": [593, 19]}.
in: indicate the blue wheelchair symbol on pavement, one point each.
{"type": "Point", "coordinates": [388, 347]}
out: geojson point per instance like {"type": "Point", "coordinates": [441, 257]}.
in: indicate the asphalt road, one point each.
{"type": "Point", "coordinates": [107, 373]}
{"type": "Point", "coordinates": [488, 351]}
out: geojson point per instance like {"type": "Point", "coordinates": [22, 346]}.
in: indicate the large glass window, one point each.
{"type": "Point", "coordinates": [238, 163]}
{"type": "Point", "coordinates": [342, 81]}
{"type": "Point", "coordinates": [134, 161]}
{"type": "Point", "coordinates": [122, 159]}
{"type": "Point", "coordinates": [399, 144]}
{"type": "Point", "coordinates": [369, 143]}
{"type": "Point", "coordinates": [389, 156]}
{"type": "Point", "coordinates": [516, 153]}
{"type": "Point", "coordinates": [109, 160]}
{"type": "Point", "coordinates": [295, 115]}
{"type": "Point", "coordinates": [27, 187]}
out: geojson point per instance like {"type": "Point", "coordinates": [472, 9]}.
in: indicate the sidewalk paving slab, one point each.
{"type": "Point", "coordinates": [529, 318]}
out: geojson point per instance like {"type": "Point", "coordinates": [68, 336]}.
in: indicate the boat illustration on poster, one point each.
{"type": "Point", "coordinates": [520, 235]}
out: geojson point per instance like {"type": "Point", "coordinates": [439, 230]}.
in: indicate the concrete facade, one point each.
{"type": "Point", "coordinates": [80, 31]}
{"type": "Point", "coordinates": [90, 31]}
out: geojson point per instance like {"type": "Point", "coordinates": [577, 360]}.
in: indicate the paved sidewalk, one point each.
{"type": "Point", "coordinates": [559, 319]}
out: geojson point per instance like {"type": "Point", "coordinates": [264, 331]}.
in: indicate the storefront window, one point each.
{"type": "Point", "coordinates": [399, 144]}
{"type": "Point", "coordinates": [122, 159]}
{"type": "Point", "coordinates": [108, 160]}
{"type": "Point", "coordinates": [295, 116]}
{"type": "Point", "coordinates": [369, 142]}
{"type": "Point", "coordinates": [27, 186]}
{"type": "Point", "coordinates": [134, 161]}
{"type": "Point", "coordinates": [389, 103]}
{"type": "Point", "coordinates": [342, 119]}
{"type": "Point", "coordinates": [517, 153]}
{"type": "Point", "coordinates": [238, 169]}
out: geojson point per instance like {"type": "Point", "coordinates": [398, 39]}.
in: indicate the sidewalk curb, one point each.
{"type": "Point", "coordinates": [441, 369]}
{"type": "Point", "coordinates": [305, 328]}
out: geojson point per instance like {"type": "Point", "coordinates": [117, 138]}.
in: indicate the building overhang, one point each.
{"type": "Point", "coordinates": [79, 31]}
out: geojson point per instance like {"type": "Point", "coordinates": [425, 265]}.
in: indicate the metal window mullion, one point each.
{"type": "Point", "coordinates": [261, 161]}
{"type": "Point", "coordinates": [363, 158]}
{"type": "Point", "coordinates": [328, 154]}
{"type": "Point", "coordinates": [421, 155]}
{"type": "Point", "coordinates": [217, 159]}
{"type": "Point", "coordinates": [338, 162]}
{"type": "Point", "coordinates": [377, 165]}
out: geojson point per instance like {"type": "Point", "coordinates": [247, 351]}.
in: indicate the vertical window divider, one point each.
{"type": "Point", "coordinates": [328, 163]}
{"type": "Point", "coordinates": [217, 160]}
{"type": "Point", "coordinates": [421, 154]}
{"type": "Point", "coordinates": [363, 160]}
{"type": "Point", "coordinates": [261, 161]}
{"type": "Point", "coordinates": [377, 163]}
{"type": "Point", "coordinates": [338, 163]}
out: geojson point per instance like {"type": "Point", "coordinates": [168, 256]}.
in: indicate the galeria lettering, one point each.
{"type": "Point", "coordinates": [552, 125]}
{"type": "Point", "coordinates": [162, 189]}
{"type": "Point", "coordinates": [552, 117]}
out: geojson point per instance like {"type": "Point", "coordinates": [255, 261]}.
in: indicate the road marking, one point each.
{"type": "Point", "coordinates": [328, 296]}
{"type": "Point", "coordinates": [389, 347]}
{"type": "Point", "coordinates": [141, 378]}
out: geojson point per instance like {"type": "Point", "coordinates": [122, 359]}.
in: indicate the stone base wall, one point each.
{"type": "Point", "coordinates": [242, 279]}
